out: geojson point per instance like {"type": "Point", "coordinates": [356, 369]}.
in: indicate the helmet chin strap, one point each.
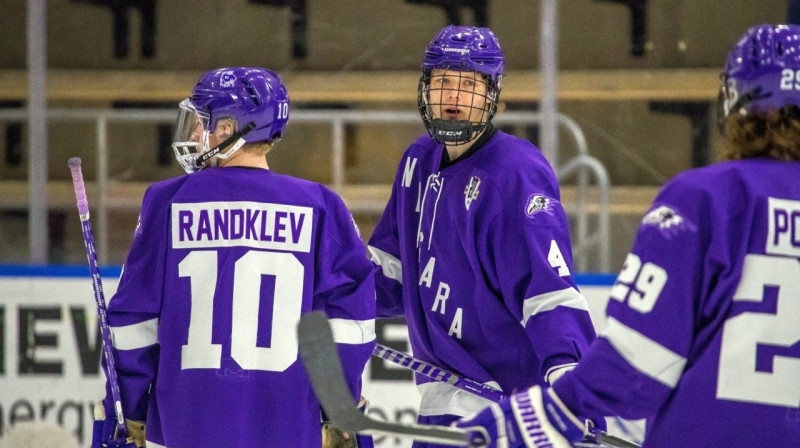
{"type": "Point", "coordinates": [237, 139]}
{"type": "Point", "coordinates": [745, 99]}
{"type": "Point", "coordinates": [738, 107]}
{"type": "Point", "coordinates": [454, 131]}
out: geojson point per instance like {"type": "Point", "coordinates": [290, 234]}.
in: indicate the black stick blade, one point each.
{"type": "Point", "coordinates": [321, 360]}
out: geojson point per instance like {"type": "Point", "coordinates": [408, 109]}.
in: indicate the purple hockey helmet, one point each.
{"type": "Point", "coordinates": [461, 49]}
{"type": "Point", "coordinates": [255, 98]}
{"type": "Point", "coordinates": [762, 72]}
{"type": "Point", "coordinates": [466, 48]}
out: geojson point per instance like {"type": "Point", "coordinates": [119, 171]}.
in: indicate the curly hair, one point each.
{"type": "Point", "coordinates": [774, 134]}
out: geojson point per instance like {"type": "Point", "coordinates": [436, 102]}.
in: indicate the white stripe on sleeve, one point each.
{"type": "Point", "coordinates": [389, 263]}
{"type": "Point", "coordinates": [569, 297]}
{"type": "Point", "coordinates": [347, 331]}
{"type": "Point", "coordinates": [645, 354]}
{"type": "Point", "coordinates": [556, 372]}
{"type": "Point", "coordinates": [131, 337]}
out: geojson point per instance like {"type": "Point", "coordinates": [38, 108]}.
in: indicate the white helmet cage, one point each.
{"type": "Point", "coordinates": [465, 102]}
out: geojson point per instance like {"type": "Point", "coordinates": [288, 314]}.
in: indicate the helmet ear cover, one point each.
{"type": "Point", "coordinates": [236, 139]}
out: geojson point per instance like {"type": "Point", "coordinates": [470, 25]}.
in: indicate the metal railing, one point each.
{"type": "Point", "coordinates": [338, 119]}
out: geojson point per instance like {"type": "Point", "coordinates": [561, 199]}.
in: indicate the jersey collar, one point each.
{"type": "Point", "coordinates": [479, 143]}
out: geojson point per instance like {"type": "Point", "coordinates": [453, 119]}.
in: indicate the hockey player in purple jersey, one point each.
{"type": "Point", "coordinates": [703, 335]}
{"type": "Point", "coordinates": [223, 263]}
{"type": "Point", "coordinates": [473, 247]}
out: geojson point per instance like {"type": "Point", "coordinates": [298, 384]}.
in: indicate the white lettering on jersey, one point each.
{"type": "Point", "coordinates": [419, 197]}
{"type": "Point", "coordinates": [408, 172]}
{"type": "Point", "coordinates": [427, 273]}
{"type": "Point", "coordinates": [199, 352]}
{"type": "Point", "coordinates": [455, 327]}
{"type": "Point", "coordinates": [783, 237]}
{"type": "Point", "coordinates": [741, 378]}
{"type": "Point", "coordinates": [556, 260]}
{"type": "Point", "coordinates": [441, 297]}
{"type": "Point", "coordinates": [260, 225]}
{"type": "Point", "coordinates": [644, 282]}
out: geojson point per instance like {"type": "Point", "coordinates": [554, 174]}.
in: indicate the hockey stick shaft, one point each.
{"type": "Point", "coordinates": [97, 284]}
{"type": "Point", "coordinates": [476, 388]}
{"type": "Point", "coordinates": [438, 374]}
{"type": "Point", "coordinates": [320, 358]}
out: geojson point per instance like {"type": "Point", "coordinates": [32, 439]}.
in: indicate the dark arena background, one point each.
{"type": "Point", "coordinates": [618, 94]}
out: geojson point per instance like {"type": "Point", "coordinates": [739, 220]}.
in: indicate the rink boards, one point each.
{"type": "Point", "coordinates": [50, 350]}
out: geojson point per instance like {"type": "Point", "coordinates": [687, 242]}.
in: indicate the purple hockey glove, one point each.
{"type": "Point", "coordinates": [534, 418]}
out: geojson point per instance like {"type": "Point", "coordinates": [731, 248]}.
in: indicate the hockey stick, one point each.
{"type": "Point", "coordinates": [438, 374]}
{"type": "Point", "coordinates": [482, 390]}
{"type": "Point", "coordinates": [91, 255]}
{"type": "Point", "coordinates": [321, 361]}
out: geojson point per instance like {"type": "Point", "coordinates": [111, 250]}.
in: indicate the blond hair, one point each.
{"type": "Point", "coordinates": [774, 134]}
{"type": "Point", "coordinates": [258, 148]}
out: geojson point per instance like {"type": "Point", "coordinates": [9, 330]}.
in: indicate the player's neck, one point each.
{"type": "Point", "coordinates": [245, 159]}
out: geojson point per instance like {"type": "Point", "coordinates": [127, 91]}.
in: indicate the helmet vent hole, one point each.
{"type": "Point", "coordinates": [483, 60]}
{"type": "Point", "coordinates": [251, 91]}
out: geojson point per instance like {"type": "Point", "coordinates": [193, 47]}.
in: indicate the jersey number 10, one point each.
{"type": "Point", "coordinates": [201, 267]}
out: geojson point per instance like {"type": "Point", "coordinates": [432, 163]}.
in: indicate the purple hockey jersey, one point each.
{"type": "Point", "coordinates": [223, 263]}
{"type": "Point", "coordinates": [703, 335]}
{"type": "Point", "coordinates": [477, 257]}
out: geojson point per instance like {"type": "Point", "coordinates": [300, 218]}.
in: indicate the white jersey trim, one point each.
{"type": "Point", "coordinates": [131, 337]}
{"type": "Point", "coordinates": [442, 398]}
{"type": "Point", "coordinates": [347, 331]}
{"type": "Point", "coordinates": [389, 264]}
{"type": "Point", "coordinates": [569, 297]}
{"type": "Point", "coordinates": [151, 444]}
{"type": "Point", "coordinates": [645, 354]}
{"type": "Point", "coordinates": [556, 372]}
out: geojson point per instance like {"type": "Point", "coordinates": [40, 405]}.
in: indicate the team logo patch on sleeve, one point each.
{"type": "Point", "coordinates": [668, 221]}
{"type": "Point", "coordinates": [537, 203]}
{"type": "Point", "coordinates": [471, 192]}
